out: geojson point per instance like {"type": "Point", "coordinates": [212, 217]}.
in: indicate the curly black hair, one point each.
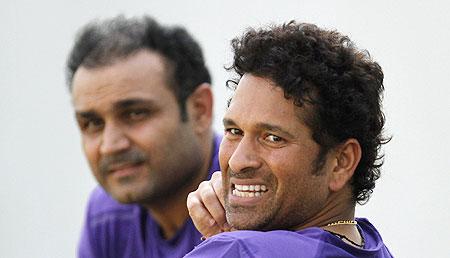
{"type": "Point", "coordinates": [322, 68]}
{"type": "Point", "coordinates": [102, 42]}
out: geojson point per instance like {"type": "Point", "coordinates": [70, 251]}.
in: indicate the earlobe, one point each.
{"type": "Point", "coordinates": [347, 158]}
{"type": "Point", "coordinates": [200, 108]}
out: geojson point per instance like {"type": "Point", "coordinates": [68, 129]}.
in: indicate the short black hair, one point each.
{"type": "Point", "coordinates": [323, 68]}
{"type": "Point", "coordinates": [102, 42]}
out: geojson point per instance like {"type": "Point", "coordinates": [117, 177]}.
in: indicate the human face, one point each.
{"type": "Point", "coordinates": [137, 146]}
{"type": "Point", "coordinates": [267, 158]}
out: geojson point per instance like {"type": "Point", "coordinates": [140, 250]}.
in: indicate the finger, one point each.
{"type": "Point", "coordinates": [201, 218]}
{"type": "Point", "coordinates": [216, 182]}
{"type": "Point", "coordinates": [212, 203]}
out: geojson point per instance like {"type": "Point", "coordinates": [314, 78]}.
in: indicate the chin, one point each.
{"type": "Point", "coordinates": [125, 194]}
{"type": "Point", "coordinates": [253, 225]}
{"type": "Point", "coordinates": [247, 222]}
{"type": "Point", "coordinates": [123, 197]}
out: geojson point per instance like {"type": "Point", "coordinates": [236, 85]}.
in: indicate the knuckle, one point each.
{"type": "Point", "coordinates": [192, 203]}
{"type": "Point", "coordinates": [190, 196]}
{"type": "Point", "coordinates": [208, 196]}
{"type": "Point", "coordinates": [216, 175]}
{"type": "Point", "coordinates": [202, 185]}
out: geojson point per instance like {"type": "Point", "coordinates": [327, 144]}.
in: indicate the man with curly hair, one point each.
{"type": "Point", "coordinates": [143, 102]}
{"type": "Point", "coordinates": [302, 141]}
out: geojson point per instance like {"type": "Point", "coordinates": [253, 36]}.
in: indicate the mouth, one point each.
{"type": "Point", "coordinates": [248, 191]}
{"type": "Point", "coordinates": [125, 169]}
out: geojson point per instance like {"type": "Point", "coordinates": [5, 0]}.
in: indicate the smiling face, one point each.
{"type": "Point", "coordinates": [268, 159]}
{"type": "Point", "coordinates": [137, 146]}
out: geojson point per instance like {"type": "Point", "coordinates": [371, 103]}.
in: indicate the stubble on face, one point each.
{"type": "Point", "coordinates": [278, 210]}
{"type": "Point", "coordinates": [249, 217]}
{"type": "Point", "coordinates": [121, 188]}
{"type": "Point", "coordinates": [296, 190]}
{"type": "Point", "coordinates": [162, 175]}
{"type": "Point", "coordinates": [132, 96]}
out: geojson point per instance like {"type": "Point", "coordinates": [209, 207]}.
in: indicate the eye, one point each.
{"type": "Point", "coordinates": [137, 115]}
{"type": "Point", "coordinates": [91, 125]}
{"type": "Point", "coordinates": [233, 132]}
{"type": "Point", "coordinates": [273, 138]}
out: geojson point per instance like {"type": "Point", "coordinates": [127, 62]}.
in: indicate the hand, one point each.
{"type": "Point", "coordinates": [206, 207]}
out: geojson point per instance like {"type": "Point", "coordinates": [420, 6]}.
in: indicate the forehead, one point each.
{"type": "Point", "coordinates": [258, 99]}
{"type": "Point", "coordinates": [142, 75]}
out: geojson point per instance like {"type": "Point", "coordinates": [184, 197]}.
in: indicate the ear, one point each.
{"type": "Point", "coordinates": [200, 108]}
{"type": "Point", "coordinates": [347, 157]}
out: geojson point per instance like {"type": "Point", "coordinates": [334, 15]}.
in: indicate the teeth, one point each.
{"type": "Point", "coordinates": [249, 190]}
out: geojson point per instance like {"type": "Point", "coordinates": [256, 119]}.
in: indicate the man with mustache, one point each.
{"type": "Point", "coordinates": [302, 142]}
{"type": "Point", "coordinates": [143, 102]}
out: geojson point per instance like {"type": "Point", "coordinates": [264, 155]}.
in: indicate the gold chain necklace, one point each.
{"type": "Point", "coordinates": [342, 237]}
{"type": "Point", "coordinates": [342, 222]}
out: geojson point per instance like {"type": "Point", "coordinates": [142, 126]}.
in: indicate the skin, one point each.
{"type": "Point", "coordinates": [261, 141]}
{"type": "Point", "coordinates": [139, 149]}
{"type": "Point", "coordinates": [268, 143]}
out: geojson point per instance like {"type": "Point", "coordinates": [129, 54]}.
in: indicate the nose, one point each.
{"type": "Point", "coordinates": [114, 140]}
{"type": "Point", "coordinates": [245, 156]}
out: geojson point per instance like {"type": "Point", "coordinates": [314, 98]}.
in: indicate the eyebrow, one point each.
{"type": "Point", "coordinates": [260, 125]}
{"type": "Point", "coordinates": [119, 105]}
{"type": "Point", "coordinates": [86, 114]}
{"type": "Point", "coordinates": [228, 122]}
{"type": "Point", "coordinates": [122, 104]}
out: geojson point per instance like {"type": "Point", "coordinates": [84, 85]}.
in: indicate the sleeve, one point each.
{"type": "Point", "coordinates": [221, 246]}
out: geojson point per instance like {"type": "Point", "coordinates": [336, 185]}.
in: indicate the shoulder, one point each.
{"type": "Point", "coordinates": [373, 241]}
{"type": "Point", "coordinates": [310, 242]}
{"type": "Point", "coordinates": [110, 228]}
{"type": "Point", "coordinates": [245, 243]}
{"type": "Point", "coordinates": [102, 206]}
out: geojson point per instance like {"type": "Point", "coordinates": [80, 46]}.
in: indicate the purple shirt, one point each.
{"type": "Point", "coordinates": [128, 231]}
{"type": "Point", "coordinates": [307, 243]}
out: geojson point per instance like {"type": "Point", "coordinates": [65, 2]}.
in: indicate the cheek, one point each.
{"type": "Point", "coordinates": [292, 161]}
{"type": "Point", "coordinates": [283, 164]}
{"type": "Point", "coordinates": [90, 147]}
{"type": "Point", "coordinates": [156, 133]}
{"type": "Point", "coordinates": [225, 151]}
{"type": "Point", "coordinates": [289, 171]}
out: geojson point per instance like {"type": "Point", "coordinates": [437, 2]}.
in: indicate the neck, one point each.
{"type": "Point", "coordinates": [171, 213]}
{"type": "Point", "coordinates": [339, 206]}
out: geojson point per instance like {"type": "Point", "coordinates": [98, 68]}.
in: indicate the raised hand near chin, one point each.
{"type": "Point", "coordinates": [206, 207]}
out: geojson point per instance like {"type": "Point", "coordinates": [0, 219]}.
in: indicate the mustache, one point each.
{"type": "Point", "coordinates": [242, 174]}
{"type": "Point", "coordinates": [132, 156]}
